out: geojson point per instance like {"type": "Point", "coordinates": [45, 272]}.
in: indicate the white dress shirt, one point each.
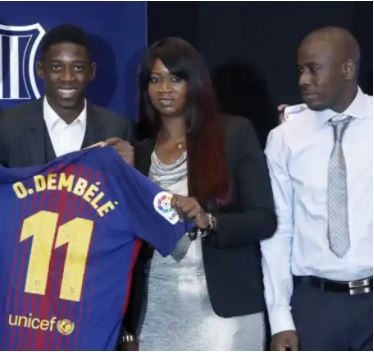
{"type": "Point", "coordinates": [298, 153]}
{"type": "Point", "coordinates": [65, 138]}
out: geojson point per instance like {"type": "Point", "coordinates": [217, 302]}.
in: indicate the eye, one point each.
{"type": "Point", "coordinates": [154, 79]}
{"type": "Point", "coordinates": [79, 67]}
{"type": "Point", "coordinates": [56, 67]}
{"type": "Point", "coordinates": [315, 68]}
{"type": "Point", "coordinates": [300, 70]}
{"type": "Point", "coordinates": [175, 79]}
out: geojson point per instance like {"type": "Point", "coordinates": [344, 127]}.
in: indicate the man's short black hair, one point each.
{"type": "Point", "coordinates": [65, 33]}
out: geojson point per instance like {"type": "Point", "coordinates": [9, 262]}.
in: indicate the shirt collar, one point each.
{"type": "Point", "coordinates": [51, 118]}
{"type": "Point", "coordinates": [355, 109]}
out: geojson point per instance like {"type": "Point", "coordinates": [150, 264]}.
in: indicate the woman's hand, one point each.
{"type": "Point", "coordinates": [189, 207]}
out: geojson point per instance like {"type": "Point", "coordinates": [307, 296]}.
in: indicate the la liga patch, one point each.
{"type": "Point", "coordinates": [162, 204]}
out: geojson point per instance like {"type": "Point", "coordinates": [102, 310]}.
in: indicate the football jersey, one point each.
{"type": "Point", "coordinates": [70, 232]}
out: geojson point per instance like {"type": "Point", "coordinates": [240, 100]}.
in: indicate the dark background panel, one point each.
{"type": "Point", "coordinates": [250, 47]}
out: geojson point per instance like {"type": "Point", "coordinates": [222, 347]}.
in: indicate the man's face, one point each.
{"type": "Point", "coordinates": [66, 69]}
{"type": "Point", "coordinates": [321, 77]}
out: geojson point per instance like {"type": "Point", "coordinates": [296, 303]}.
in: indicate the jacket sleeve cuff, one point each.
{"type": "Point", "coordinates": [281, 320]}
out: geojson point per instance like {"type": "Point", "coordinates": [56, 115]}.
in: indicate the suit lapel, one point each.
{"type": "Point", "coordinates": [36, 133]}
{"type": "Point", "coordinates": [143, 151]}
{"type": "Point", "coordinates": [94, 128]}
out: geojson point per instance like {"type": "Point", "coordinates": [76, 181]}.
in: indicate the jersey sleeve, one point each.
{"type": "Point", "coordinates": [150, 212]}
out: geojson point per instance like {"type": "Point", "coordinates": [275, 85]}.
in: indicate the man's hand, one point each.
{"type": "Point", "coordinates": [294, 109]}
{"type": "Point", "coordinates": [281, 113]}
{"type": "Point", "coordinates": [124, 148]}
{"type": "Point", "coordinates": [98, 144]}
{"type": "Point", "coordinates": [285, 341]}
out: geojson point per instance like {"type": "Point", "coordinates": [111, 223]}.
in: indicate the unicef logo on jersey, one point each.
{"type": "Point", "coordinates": [64, 326]}
{"type": "Point", "coordinates": [18, 46]}
{"type": "Point", "coordinates": [162, 204]}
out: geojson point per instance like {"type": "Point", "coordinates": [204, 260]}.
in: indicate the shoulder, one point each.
{"type": "Point", "coordinates": [236, 123]}
{"type": "Point", "coordinates": [368, 105]}
{"type": "Point", "coordinates": [300, 123]}
{"type": "Point", "coordinates": [142, 155]}
{"type": "Point", "coordinates": [15, 121]}
{"type": "Point", "coordinates": [21, 111]}
{"type": "Point", "coordinates": [240, 137]}
{"type": "Point", "coordinates": [144, 147]}
{"type": "Point", "coordinates": [236, 127]}
{"type": "Point", "coordinates": [294, 133]}
{"type": "Point", "coordinates": [145, 143]}
{"type": "Point", "coordinates": [115, 124]}
{"type": "Point", "coordinates": [103, 113]}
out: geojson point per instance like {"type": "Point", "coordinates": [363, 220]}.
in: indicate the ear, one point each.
{"type": "Point", "coordinates": [93, 70]}
{"type": "Point", "coordinates": [349, 69]}
{"type": "Point", "coordinates": [39, 70]}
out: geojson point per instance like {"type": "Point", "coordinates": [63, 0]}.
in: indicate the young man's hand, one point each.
{"type": "Point", "coordinates": [124, 148]}
{"type": "Point", "coordinates": [285, 341]}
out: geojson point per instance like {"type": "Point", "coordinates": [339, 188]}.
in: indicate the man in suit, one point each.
{"type": "Point", "coordinates": [63, 120]}
{"type": "Point", "coordinates": [318, 266]}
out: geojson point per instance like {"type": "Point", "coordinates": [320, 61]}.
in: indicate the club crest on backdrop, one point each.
{"type": "Point", "coordinates": [18, 45]}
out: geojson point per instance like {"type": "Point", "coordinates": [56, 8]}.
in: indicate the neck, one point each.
{"type": "Point", "coordinates": [68, 114]}
{"type": "Point", "coordinates": [173, 128]}
{"type": "Point", "coordinates": [347, 100]}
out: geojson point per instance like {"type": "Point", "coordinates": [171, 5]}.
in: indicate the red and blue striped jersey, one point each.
{"type": "Point", "coordinates": [69, 235]}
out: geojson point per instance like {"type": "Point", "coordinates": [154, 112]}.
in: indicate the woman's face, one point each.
{"type": "Point", "coordinates": [168, 93]}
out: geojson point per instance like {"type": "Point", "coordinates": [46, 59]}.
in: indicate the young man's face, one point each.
{"type": "Point", "coordinates": [66, 69]}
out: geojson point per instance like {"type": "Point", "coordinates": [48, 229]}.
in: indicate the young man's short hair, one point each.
{"type": "Point", "coordinates": [65, 33]}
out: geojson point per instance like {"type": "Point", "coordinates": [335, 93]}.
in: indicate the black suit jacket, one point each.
{"type": "Point", "coordinates": [231, 255]}
{"type": "Point", "coordinates": [24, 139]}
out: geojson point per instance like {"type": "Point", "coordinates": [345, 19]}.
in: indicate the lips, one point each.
{"type": "Point", "coordinates": [166, 102]}
{"type": "Point", "coordinates": [66, 93]}
{"type": "Point", "coordinates": [309, 95]}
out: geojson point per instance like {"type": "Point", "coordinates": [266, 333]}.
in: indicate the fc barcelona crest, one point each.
{"type": "Point", "coordinates": [18, 45]}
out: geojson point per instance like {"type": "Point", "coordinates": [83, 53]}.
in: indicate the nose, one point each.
{"type": "Point", "coordinates": [304, 78]}
{"type": "Point", "coordinates": [165, 85]}
{"type": "Point", "coordinates": [67, 74]}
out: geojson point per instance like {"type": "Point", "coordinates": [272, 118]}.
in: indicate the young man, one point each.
{"type": "Point", "coordinates": [63, 120]}
{"type": "Point", "coordinates": [319, 261]}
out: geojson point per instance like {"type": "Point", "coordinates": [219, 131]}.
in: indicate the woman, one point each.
{"type": "Point", "coordinates": [208, 295]}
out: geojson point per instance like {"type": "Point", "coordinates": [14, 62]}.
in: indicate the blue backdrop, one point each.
{"type": "Point", "coordinates": [117, 31]}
